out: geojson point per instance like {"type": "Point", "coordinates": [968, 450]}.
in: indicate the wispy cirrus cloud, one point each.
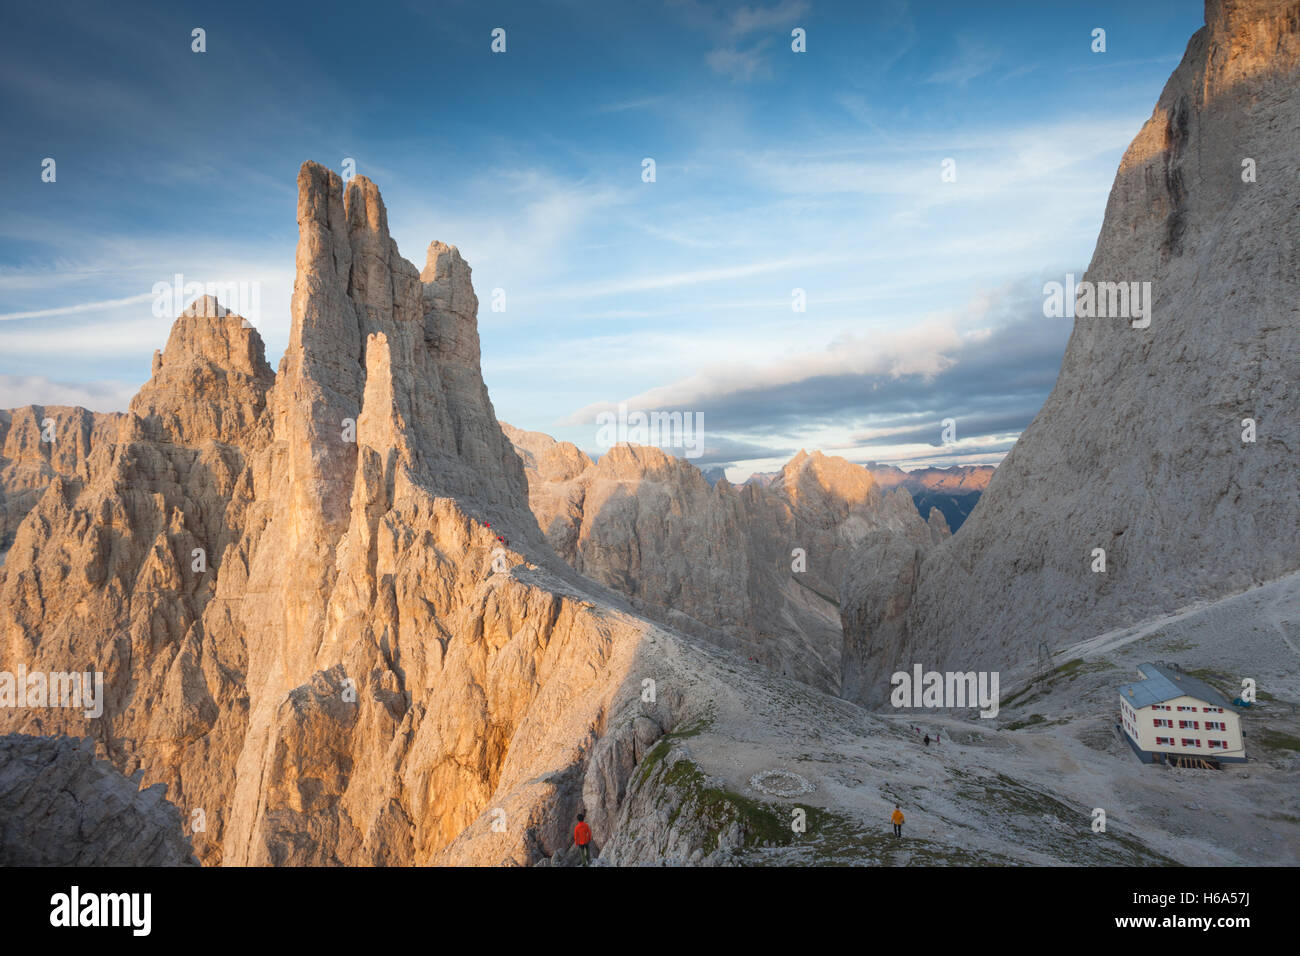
{"type": "Point", "coordinates": [641, 103]}
{"type": "Point", "coordinates": [672, 280]}
{"type": "Point", "coordinates": [78, 307]}
{"type": "Point", "coordinates": [744, 62]}
{"type": "Point", "coordinates": [973, 58]}
{"type": "Point", "coordinates": [742, 66]}
{"type": "Point", "coordinates": [747, 19]}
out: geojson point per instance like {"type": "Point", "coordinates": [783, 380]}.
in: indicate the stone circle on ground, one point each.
{"type": "Point", "coordinates": [780, 783]}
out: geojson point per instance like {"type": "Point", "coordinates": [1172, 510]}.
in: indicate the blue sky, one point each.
{"type": "Point", "coordinates": [775, 170]}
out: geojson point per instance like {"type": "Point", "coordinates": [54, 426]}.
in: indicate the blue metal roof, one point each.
{"type": "Point", "coordinates": [1164, 683]}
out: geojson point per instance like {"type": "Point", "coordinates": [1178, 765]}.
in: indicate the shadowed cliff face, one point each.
{"type": "Point", "coordinates": [62, 807]}
{"type": "Point", "coordinates": [324, 613]}
{"type": "Point", "coordinates": [1139, 450]}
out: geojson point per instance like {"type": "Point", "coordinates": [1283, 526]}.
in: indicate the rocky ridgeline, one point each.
{"type": "Point", "coordinates": [717, 560]}
{"type": "Point", "coordinates": [958, 479]}
{"type": "Point", "coordinates": [1139, 449]}
{"type": "Point", "coordinates": [953, 491]}
{"type": "Point", "coordinates": [323, 610]}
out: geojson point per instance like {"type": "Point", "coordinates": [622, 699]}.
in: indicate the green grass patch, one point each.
{"type": "Point", "coordinates": [828, 839]}
{"type": "Point", "coordinates": [665, 744]}
{"type": "Point", "coordinates": [1215, 679]}
{"type": "Point", "coordinates": [1033, 719]}
{"type": "Point", "coordinates": [1275, 740]}
{"type": "Point", "coordinates": [1034, 691]}
{"type": "Point", "coordinates": [1040, 686]}
{"type": "Point", "coordinates": [1077, 667]}
{"type": "Point", "coordinates": [716, 810]}
{"type": "Point", "coordinates": [1037, 819]}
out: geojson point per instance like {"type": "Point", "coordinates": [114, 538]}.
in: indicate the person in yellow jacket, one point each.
{"type": "Point", "coordinates": [897, 820]}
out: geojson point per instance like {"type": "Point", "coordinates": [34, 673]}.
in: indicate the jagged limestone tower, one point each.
{"type": "Point", "coordinates": [296, 588]}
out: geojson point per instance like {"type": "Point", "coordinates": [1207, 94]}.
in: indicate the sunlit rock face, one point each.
{"type": "Point", "coordinates": [325, 616]}
{"type": "Point", "coordinates": [1139, 450]}
{"type": "Point", "coordinates": [38, 443]}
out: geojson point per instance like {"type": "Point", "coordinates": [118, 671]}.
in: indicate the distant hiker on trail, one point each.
{"type": "Point", "coordinates": [897, 821]}
{"type": "Point", "coordinates": [927, 740]}
{"type": "Point", "coordinates": [582, 837]}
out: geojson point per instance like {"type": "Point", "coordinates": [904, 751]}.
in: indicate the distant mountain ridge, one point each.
{"type": "Point", "coordinates": [954, 490]}
{"type": "Point", "coordinates": [716, 559]}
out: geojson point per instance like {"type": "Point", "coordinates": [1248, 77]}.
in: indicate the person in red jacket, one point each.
{"type": "Point", "coordinates": [582, 837]}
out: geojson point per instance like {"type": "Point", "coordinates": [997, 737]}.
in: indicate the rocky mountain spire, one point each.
{"type": "Point", "coordinates": [210, 352]}
{"type": "Point", "coordinates": [323, 611]}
